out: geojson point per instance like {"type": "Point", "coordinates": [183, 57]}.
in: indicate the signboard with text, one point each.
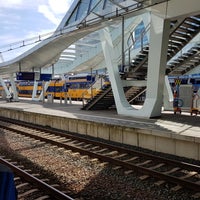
{"type": "Point", "coordinates": [26, 76]}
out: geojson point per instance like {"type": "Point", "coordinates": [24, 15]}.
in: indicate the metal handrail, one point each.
{"type": "Point", "coordinates": [138, 39]}
{"type": "Point", "coordinates": [137, 95]}
{"type": "Point", "coordinates": [91, 88]}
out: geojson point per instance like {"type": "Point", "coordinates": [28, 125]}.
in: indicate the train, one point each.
{"type": "Point", "coordinates": [75, 87]}
{"type": "Point", "coordinates": [85, 86]}
{"type": "Point", "coordinates": [25, 88]}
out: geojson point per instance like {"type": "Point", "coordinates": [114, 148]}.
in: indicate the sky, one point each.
{"type": "Point", "coordinates": [24, 19]}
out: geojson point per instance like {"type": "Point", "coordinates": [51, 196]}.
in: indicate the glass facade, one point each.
{"type": "Point", "coordinates": [87, 9]}
{"type": "Point", "coordinates": [140, 39]}
{"type": "Point", "coordinates": [83, 9]}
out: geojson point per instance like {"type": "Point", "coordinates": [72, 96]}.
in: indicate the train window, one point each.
{"type": "Point", "coordinates": [76, 78]}
{"type": "Point", "coordinates": [184, 81]}
{"type": "Point", "coordinates": [192, 80]}
{"type": "Point", "coordinates": [73, 86]}
{"type": "Point", "coordinates": [87, 85]}
{"type": "Point", "coordinates": [50, 89]}
{"type": "Point", "coordinates": [58, 88]}
{"type": "Point", "coordinates": [89, 78]}
{"type": "Point", "coordinates": [21, 83]}
{"type": "Point", "coordinates": [81, 85]}
{"type": "Point", "coordinates": [197, 81]}
{"type": "Point", "coordinates": [39, 83]}
{"type": "Point", "coordinates": [69, 85]}
{"type": "Point", "coordinates": [31, 83]}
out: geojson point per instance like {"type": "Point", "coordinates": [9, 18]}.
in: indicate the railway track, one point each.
{"type": "Point", "coordinates": [29, 186]}
{"type": "Point", "coordinates": [179, 174]}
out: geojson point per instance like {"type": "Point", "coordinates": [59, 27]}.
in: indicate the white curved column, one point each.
{"type": "Point", "coordinates": [159, 37]}
{"type": "Point", "coordinates": [6, 89]}
{"type": "Point", "coordinates": [159, 34]}
{"type": "Point", "coordinates": [14, 89]}
{"type": "Point", "coordinates": [113, 71]}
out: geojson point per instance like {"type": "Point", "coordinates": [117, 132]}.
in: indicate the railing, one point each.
{"type": "Point", "coordinates": [83, 23]}
{"type": "Point", "coordinates": [185, 49]}
{"type": "Point", "coordinates": [131, 50]}
{"type": "Point", "coordinates": [93, 89]}
{"type": "Point", "coordinates": [138, 95]}
{"type": "Point", "coordinates": [95, 20]}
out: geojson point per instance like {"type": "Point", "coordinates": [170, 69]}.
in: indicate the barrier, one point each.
{"type": "Point", "coordinates": [50, 98]}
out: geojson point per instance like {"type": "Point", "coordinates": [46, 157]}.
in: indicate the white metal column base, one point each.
{"type": "Point", "coordinates": [14, 90]}
{"type": "Point", "coordinates": [34, 93]}
{"type": "Point", "coordinates": [8, 95]}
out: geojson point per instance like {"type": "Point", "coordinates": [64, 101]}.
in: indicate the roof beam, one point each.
{"type": "Point", "coordinates": [117, 4]}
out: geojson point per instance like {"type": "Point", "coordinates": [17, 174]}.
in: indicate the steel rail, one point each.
{"type": "Point", "coordinates": [37, 182]}
{"type": "Point", "coordinates": [68, 135]}
{"type": "Point", "coordinates": [144, 170]}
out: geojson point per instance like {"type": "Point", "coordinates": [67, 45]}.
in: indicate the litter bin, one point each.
{"type": "Point", "coordinates": [49, 98]}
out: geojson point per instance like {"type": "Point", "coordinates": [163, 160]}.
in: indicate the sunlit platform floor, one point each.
{"type": "Point", "coordinates": [182, 123]}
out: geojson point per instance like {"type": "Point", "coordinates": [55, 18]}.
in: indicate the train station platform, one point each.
{"type": "Point", "coordinates": [177, 134]}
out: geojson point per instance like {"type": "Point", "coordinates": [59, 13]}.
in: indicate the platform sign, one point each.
{"type": "Point", "coordinates": [177, 81]}
{"type": "Point", "coordinates": [45, 77]}
{"type": "Point", "coordinates": [26, 76]}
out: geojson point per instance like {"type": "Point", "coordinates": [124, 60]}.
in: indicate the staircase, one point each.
{"type": "Point", "coordinates": [105, 99]}
{"type": "Point", "coordinates": [133, 92]}
{"type": "Point", "coordinates": [185, 62]}
{"type": "Point", "coordinates": [101, 101]}
{"type": "Point", "coordinates": [181, 34]}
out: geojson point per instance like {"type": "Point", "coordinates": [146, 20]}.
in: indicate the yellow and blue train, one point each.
{"type": "Point", "coordinates": [76, 87]}
{"type": "Point", "coordinates": [25, 88]}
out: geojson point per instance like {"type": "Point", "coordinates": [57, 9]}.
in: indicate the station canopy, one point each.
{"type": "Point", "coordinates": [57, 47]}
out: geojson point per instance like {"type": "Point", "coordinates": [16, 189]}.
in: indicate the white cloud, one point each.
{"type": "Point", "coordinates": [48, 14]}
{"type": "Point", "coordinates": [59, 7]}
{"type": "Point", "coordinates": [12, 15]}
{"type": "Point", "coordinates": [54, 8]}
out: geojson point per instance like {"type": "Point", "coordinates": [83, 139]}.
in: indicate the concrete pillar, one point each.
{"type": "Point", "coordinates": [159, 37]}
{"type": "Point", "coordinates": [14, 90]}
{"type": "Point", "coordinates": [5, 88]}
{"type": "Point", "coordinates": [34, 93]}
{"type": "Point", "coordinates": [168, 97]}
